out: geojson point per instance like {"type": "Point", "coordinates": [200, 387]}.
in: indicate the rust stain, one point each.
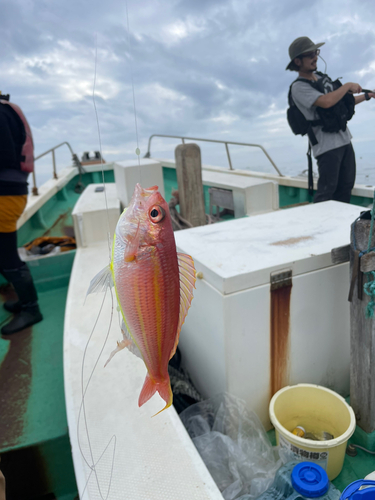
{"type": "Point", "coordinates": [280, 338]}
{"type": "Point", "coordinates": [59, 221]}
{"type": "Point", "coordinates": [291, 241]}
{"type": "Point", "coordinates": [15, 381]}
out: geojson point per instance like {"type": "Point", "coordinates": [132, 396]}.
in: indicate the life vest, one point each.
{"type": "Point", "coordinates": [331, 119]}
{"type": "Point", "coordinates": [27, 152]}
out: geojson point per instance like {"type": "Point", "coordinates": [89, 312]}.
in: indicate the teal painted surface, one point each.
{"type": "Point", "coordinates": [54, 217]}
{"type": "Point", "coordinates": [57, 457]}
{"type": "Point", "coordinates": [170, 183]}
{"type": "Point", "coordinates": [38, 405]}
{"type": "Point", "coordinates": [33, 418]}
{"type": "Point", "coordinates": [364, 439]}
{"type": "Point", "coordinates": [289, 195]}
{"type": "Point", "coordinates": [361, 201]}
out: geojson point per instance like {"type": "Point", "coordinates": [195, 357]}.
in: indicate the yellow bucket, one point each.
{"type": "Point", "coordinates": [317, 410]}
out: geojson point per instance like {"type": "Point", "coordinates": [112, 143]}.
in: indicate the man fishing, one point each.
{"type": "Point", "coordinates": [320, 108]}
{"type": "Point", "coordinates": [16, 162]}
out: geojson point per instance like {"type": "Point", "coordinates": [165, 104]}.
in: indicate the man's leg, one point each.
{"type": "Point", "coordinates": [346, 176]}
{"type": "Point", "coordinates": [17, 272]}
{"type": "Point", "coordinates": [329, 170]}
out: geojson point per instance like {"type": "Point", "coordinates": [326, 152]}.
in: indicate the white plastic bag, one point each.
{"type": "Point", "coordinates": [233, 444]}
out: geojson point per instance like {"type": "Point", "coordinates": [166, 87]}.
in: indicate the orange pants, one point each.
{"type": "Point", "coordinates": [11, 208]}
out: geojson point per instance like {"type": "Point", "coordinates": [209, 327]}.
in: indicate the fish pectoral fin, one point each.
{"type": "Point", "coordinates": [120, 346]}
{"type": "Point", "coordinates": [187, 283]}
{"type": "Point", "coordinates": [127, 341]}
{"type": "Point", "coordinates": [132, 248]}
{"type": "Point", "coordinates": [101, 281]}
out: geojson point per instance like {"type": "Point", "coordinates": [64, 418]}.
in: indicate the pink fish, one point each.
{"type": "Point", "coordinates": [154, 287]}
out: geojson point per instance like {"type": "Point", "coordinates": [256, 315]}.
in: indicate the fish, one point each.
{"type": "Point", "coordinates": [154, 287]}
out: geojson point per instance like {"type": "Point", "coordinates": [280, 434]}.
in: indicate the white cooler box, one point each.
{"type": "Point", "coordinates": [92, 214]}
{"type": "Point", "coordinates": [231, 341]}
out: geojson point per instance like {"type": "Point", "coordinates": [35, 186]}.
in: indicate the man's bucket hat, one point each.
{"type": "Point", "coordinates": [301, 45]}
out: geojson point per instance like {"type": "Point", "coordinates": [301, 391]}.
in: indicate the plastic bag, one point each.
{"type": "Point", "coordinates": [233, 445]}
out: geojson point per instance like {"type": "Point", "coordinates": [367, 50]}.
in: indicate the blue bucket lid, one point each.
{"type": "Point", "coordinates": [310, 479]}
{"type": "Point", "coordinates": [352, 491]}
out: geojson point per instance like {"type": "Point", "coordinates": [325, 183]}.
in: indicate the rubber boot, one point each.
{"type": "Point", "coordinates": [29, 313]}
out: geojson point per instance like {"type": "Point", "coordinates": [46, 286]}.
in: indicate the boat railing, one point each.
{"type": "Point", "coordinates": [75, 159]}
{"type": "Point", "coordinates": [183, 138]}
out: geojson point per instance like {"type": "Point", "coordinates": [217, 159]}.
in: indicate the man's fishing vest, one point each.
{"type": "Point", "coordinates": [331, 119]}
{"type": "Point", "coordinates": [27, 152]}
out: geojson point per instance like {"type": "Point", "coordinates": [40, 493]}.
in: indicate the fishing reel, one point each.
{"type": "Point", "coordinates": [4, 97]}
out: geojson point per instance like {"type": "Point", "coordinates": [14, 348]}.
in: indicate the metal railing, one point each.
{"type": "Point", "coordinates": [75, 159]}
{"type": "Point", "coordinates": [148, 154]}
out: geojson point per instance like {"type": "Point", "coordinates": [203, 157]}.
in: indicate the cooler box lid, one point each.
{"type": "Point", "coordinates": [240, 254]}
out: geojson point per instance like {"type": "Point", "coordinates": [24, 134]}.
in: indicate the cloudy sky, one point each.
{"type": "Point", "coordinates": [208, 68]}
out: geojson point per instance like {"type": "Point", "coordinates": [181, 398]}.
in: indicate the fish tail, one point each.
{"type": "Point", "coordinates": [150, 387]}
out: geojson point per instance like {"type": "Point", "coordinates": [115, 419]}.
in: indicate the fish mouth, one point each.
{"type": "Point", "coordinates": [145, 193]}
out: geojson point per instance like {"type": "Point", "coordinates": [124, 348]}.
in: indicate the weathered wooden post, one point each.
{"type": "Point", "coordinates": [190, 187]}
{"type": "Point", "coordinates": [362, 329]}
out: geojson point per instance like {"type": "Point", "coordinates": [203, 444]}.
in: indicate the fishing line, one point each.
{"type": "Point", "coordinates": [137, 151]}
{"type": "Point", "coordinates": [82, 408]}
{"type": "Point", "coordinates": [84, 389]}
{"type": "Point", "coordinates": [100, 149]}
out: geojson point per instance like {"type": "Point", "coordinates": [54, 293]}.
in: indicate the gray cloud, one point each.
{"type": "Point", "coordinates": [209, 68]}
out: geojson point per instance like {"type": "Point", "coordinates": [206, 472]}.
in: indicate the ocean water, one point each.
{"type": "Point", "coordinates": [290, 161]}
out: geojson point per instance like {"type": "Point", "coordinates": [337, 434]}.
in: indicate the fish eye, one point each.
{"type": "Point", "coordinates": [156, 213]}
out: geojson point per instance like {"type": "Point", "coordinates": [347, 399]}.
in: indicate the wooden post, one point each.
{"type": "Point", "coordinates": [362, 335]}
{"type": "Point", "coordinates": [190, 187]}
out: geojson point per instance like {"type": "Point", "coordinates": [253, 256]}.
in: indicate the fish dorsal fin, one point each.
{"type": "Point", "coordinates": [187, 283]}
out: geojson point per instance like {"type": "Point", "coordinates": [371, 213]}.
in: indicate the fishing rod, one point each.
{"type": "Point", "coordinates": [367, 92]}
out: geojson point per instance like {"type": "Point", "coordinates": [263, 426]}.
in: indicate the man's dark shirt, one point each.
{"type": "Point", "coordinates": [13, 180]}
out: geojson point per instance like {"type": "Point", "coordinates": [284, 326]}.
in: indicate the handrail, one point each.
{"type": "Point", "coordinates": [52, 150]}
{"type": "Point", "coordinates": [148, 154]}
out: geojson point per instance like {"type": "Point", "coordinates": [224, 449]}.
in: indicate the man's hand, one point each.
{"type": "Point", "coordinates": [371, 94]}
{"type": "Point", "coordinates": [354, 88]}
{"type": "Point", "coordinates": [330, 99]}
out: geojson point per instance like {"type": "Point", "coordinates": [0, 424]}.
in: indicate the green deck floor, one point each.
{"type": "Point", "coordinates": [33, 426]}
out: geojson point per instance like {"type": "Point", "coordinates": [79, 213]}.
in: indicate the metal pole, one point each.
{"type": "Point", "coordinates": [148, 154]}
{"type": "Point", "coordinates": [230, 163]}
{"type": "Point", "coordinates": [34, 189]}
{"type": "Point", "coordinates": [54, 164]}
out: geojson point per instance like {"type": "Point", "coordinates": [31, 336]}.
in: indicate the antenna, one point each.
{"type": "Point", "coordinates": [325, 67]}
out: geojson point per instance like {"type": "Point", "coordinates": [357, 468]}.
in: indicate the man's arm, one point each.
{"type": "Point", "coordinates": [360, 98]}
{"type": "Point", "coordinates": [330, 99]}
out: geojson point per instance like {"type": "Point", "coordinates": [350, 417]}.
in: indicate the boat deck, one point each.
{"type": "Point", "coordinates": [33, 426]}
{"type": "Point", "coordinates": [34, 437]}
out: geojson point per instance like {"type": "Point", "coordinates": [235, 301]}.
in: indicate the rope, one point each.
{"type": "Point", "coordinates": [369, 287]}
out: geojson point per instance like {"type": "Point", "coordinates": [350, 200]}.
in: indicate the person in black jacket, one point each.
{"type": "Point", "coordinates": [13, 198]}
